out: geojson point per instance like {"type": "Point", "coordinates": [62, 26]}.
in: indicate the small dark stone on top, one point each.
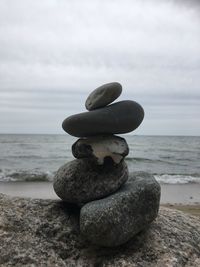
{"type": "Point", "coordinates": [103, 95]}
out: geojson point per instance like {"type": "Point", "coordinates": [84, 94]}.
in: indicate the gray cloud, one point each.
{"type": "Point", "coordinates": [53, 53]}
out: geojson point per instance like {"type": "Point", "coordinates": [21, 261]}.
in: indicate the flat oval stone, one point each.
{"type": "Point", "coordinates": [101, 148]}
{"type": "Point", "coordinates": [81, 180]}
{"type": "Point", "coordinates": [114, 220]}
{"type": "Point", "coordinates": [103, 95]}
{"type": "Point", "coordinates": [118, 118]}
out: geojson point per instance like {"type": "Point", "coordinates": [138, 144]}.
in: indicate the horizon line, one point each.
{"type": "Point", "coordinates": [172, 135]}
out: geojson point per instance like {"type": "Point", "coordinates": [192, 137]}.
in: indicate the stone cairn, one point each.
{"type": "Point", "coordinates": [114, 205]}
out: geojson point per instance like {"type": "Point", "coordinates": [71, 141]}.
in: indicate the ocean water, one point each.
{"type": "Point", "coordinates": [172, 160]}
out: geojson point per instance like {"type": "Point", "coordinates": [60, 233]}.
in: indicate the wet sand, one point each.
{"type": "Point", "coordinates": [180, 194]}
{"type": "Point", "coordinates": [42, 190]}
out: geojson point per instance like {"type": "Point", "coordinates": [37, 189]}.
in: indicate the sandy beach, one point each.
{"type": "Point", "coordinates": [184, 197]}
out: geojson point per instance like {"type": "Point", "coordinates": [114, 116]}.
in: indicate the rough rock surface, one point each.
{"type": "Point", "coordinates": [101, 148]}
{"type": "Point", "coordinates": [114, 220]}
{"type": "Point", "coordinates": [103, 95]}
{"type": "Point", "coordinates": [118, 118]}
{"type": "Point", "coordinates": [82, 180]}
{"type": "Point", "coordinates": [46, 233]}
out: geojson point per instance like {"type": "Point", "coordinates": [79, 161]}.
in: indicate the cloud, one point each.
{"type": "Point", "coordinates": [53, 53]}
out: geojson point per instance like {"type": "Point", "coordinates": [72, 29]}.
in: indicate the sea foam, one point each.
{"type": "Point", "coordinates": [176, 179]}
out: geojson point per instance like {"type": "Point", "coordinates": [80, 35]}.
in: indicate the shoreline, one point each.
{"type": "Point", "coordinates": [184, 197]}
{"type": "Point", "coordinates": [187, 194]}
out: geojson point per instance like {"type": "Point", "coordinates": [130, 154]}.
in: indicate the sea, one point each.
{"type": "Point", "coordinates": [171, 159]}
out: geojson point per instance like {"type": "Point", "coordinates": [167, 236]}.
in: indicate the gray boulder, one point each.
{"type": "Point", "coordinates": [101, 148]}
{"type": "Point", "coordinates": [103, 95]}
{"type": "Point", "coordinates": [118, 118]}
{"type": "Point", "coordinates": [37, 232]}
{"type": "Point", "coordinates": [82, 180]}
{"type": "Point", "coordinates": [114, 220]}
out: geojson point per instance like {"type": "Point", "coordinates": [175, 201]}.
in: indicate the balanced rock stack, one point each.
{"type": "Point", "coordinates": [115, 205]}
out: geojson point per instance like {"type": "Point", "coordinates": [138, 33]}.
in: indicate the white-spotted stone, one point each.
{"type": "Point", "coordinates": [101, 148]}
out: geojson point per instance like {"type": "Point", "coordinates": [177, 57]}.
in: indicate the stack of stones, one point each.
{"type": "Point", "coordinates": [114, 205]}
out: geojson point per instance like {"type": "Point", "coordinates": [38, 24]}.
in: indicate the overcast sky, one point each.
{"type": "Point", "coordinates": [54, 53]}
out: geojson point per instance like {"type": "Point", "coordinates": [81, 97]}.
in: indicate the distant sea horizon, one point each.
{"type": "Point", "coordinates": [36, 157]}
{"type": "Point", "coordinates": [127, 134]}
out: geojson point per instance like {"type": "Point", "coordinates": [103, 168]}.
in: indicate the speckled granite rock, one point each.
{"type": "Point", "coordinates": [46, 233]}
{"type": "Point", "coordinates": [100, 148]}
{"type": "Point", "coordinates": [81, 180]}
{"type": "Point", "coordinates": [115, 219]}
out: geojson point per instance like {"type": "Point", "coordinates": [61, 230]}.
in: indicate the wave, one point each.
{"type": "Point", "coordinates": [25, 176]}
{"type": "Point", "coordinates": [39, 176]}
{"type": "Point", "coordinates": [26, 157]}
{"type": "Point", "coordinates": [34, 157]}
{"type": "Point", "coordinates": [154, 161]}
{"type": "Point", "coordinates": [177, 178]}
{"type": "Point", "coordinates": [142, 159]}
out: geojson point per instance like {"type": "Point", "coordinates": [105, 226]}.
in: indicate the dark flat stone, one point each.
{"type": "Point", "coordinates": [81, 180]}
{"type": "Point", "coordinates": [114, 220]}
{"type": "Point", "coordinates": [101, 148]}
{"type": "Point", "coordinates": [118, 118]}
{"type": "Point", "coordinates": [103, 95]}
